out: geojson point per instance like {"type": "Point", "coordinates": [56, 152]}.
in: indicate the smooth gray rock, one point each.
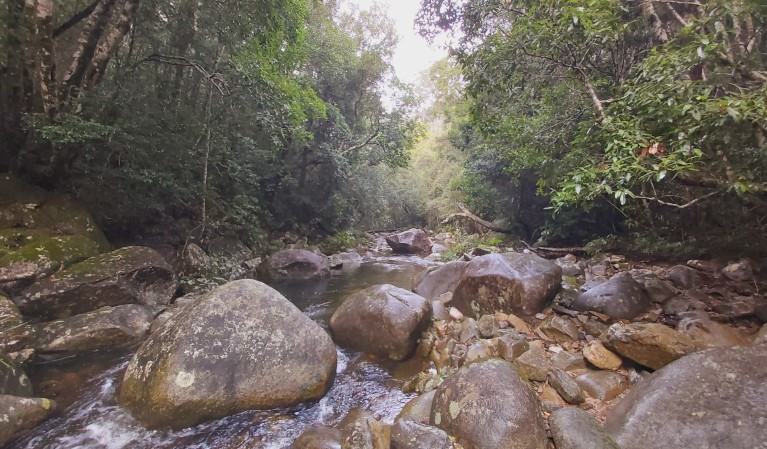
{"type": "Point", "coordinates": [20, 414]}
{"type": "Point", "coordinates": [433, 282]}
{"type": "Point", "coordinates": [383, 320]}
{"type": "Point", "coordinates": [621, 297]}
{"type": "Point", "coordinates": [683, 277]}
{"type": "Point", "coordinates": [573, 428]}
{"type": "Point", "coordinates": [242, 346]}
{"type": "Point", "coordinates": [566, 386]}
{"type": "Point", "coordinates": [713, 399]}
{"type": "Point", "coordinates": [412, 241]}
{"type": "Point", "coordinates": [295, 264]}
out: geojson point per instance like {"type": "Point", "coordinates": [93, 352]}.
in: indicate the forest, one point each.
{"type": "Point", "coordinates": [636, 123]}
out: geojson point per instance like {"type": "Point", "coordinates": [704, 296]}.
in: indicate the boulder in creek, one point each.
{"type": "Point", "coordinates": [407, 434]}
{"type": "Point", "coordinates": [516, 283]}
{"type": "Point", "coordinates": [650, 344]}
{"type": "Point", "coordinates": [13, 380]}
{"type": "Point", "coordinates": [21, 414]}
{"type": "Point", "coordinates": [360, 430]}
{"type": "Point", "coordinates": [621, 297]}
{"type": "Point", "coordinates": [487, 405]}
{"type": "Point", "coordinates": [195, 261]}
{"type": "Point", "coordinates": [418, 409]}
{"type": "Point", "coordinates": [130, 275]}
{"type": "Point", "coordinates": [433, 282]}
{"type": "Point", "coordinates": [715, 398]}
{"type": "Point", "coordinates": [242, 346]}
{"type": "Point", "coordinates": [383, 320]}
{"type": "Point", "coordinates": [573, 428]}
{"type": "Point", "coordinates": [412, 241]}
{"type": "Point", "coordinates": [318, 437]}
{"type": "Point", "coordinates": [106, 328]}
{"type": "Point", "coordinates": [295, 264]}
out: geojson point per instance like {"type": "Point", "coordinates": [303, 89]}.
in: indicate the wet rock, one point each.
{"type": "Point", "coordinates": [487, 326]}
{"type": "Point", "coordinates": [560, 329]}
{"type": "Point", "coordinates": [603, 385]}
{"type": "Point", "coordinates": [566, 386]}
{"type": "Point", "coordinates": [711, 399]}
{"type": "Point", "coordinates": [533, 364]}
{"type": "Point", "coordinates": [106, 328]}
{"type": "Point", "coordinates": [433, 282]}
{"type": "Point", "coordinates": [511, 345]}
{"type": "Point", "coordinates": [346, 261]}
{"type": "Point", "coordinates": [659, 291]}
{"type": "Point", "coordinates": [130, 275]}
{"type": "Point", "coordinates": [573, 428]}
{"type": "Point", "coordinates": [21, 414]}
{"type": "Point", "coordinates": [242, 346]}
{"type": "Point", "coordinates": [13, 380]}
{"type": "Point", "coordinates": [487, 405]}
{"type": "Point", "coordinates": [418, 409]}
{"type": "Point", "coordinates": [682, 277]}
{"type": "Point", "coordinates": [601, 357]}
{"type": "Point", "coordinates": [412, 241]}
{"type": "Point", "coordinates": [406, 434]}
{"type": "Point", "coordinates": [650, 344]}
{"type": "Point", "coordinates": [383, 320]}
{"type": "Point", "coordinates": [318, 437]}
{"type": "Point", "coordinates": [295, 264]}
{"type": "Point", "coordinates": [511, 283]}
{"type": "Point", "coordinates": [568, 361]}
{"type": "Point", "coordinates": [621, 297]}
{"type": "Point", "coordinates": [740, 271]}
{"type": "Point", "coordinates": [360, 430]}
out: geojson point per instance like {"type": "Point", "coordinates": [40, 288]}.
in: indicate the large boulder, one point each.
{"type": "Point", "coordinates": [650, 344]}
{"type": "Point", "coordinates": [20, 414]}
{"type": "Point", "coordinates": [130, 275]}
{"type": "Point", "coordinates": [106, 328]}
{"type": "Point", "coordinates": [412, 241]}
{"type": "Point", "coordinates": [621, 297]}
{"type": "Point", "coordinates": [487, 405]}
{"type": "Point", "coordinates": [242, 346]}
{"type": "Point", "coordinates": [433, 282]}
{"type": "Point", "coordinates": [712, 399]}
{"type": "Point", "coordinates": [383, 320]}
{"type": "Point", "coordinates": [230, 248]}
{"type": "Point", "coordinates": [295, 264]}
{"type": "Point", "coordinates": [522, 284]}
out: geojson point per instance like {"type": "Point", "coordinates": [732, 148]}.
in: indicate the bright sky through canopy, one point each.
{"type": "Point", "coordinates": [413, 54]}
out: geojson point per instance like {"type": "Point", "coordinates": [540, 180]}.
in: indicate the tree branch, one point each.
{"type": "Point", "coordinates": [74, 20]}
{"type": "Point", "coordinates": [679, 206]}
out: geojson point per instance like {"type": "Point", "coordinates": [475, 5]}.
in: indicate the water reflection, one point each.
{"type": "Point", "coordinates": [95, 421]}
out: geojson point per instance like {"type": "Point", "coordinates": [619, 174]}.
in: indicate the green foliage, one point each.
{"type": "Point", "coordinates": [342, 241]}
{"type": "Point", "coordinates": [641, 245]}
{"type": "Point", "coordinates": [70, 129]}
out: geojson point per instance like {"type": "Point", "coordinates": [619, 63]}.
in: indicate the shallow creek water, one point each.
{"type": "Point", "coordinates": [91, 418]}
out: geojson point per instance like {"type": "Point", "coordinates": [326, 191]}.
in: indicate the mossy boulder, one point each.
{"type": "Point", "coordinates": [242, 346]}
{"type": "Point", "coordinates": [295, 264]}
{"type": "Point", "coordinates": [21, 414]}
{"type": "Point", "coordinates": [130, 275]}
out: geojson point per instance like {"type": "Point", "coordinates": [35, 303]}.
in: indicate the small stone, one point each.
{"type": "Point", "coordinates": [560, 329]}
{"type": "Point", "coordinates": [519, 324]}
{"type": "Point", "coordinates": [676, 306]}
{"type": "Point", "coordinates": [601, 357]}
{"type": "Point", "coordinates": [534, 365]}
{"type": "Point", "coordinates": [469, 331]}
{"type": "Point", "coordinates": [704, 265]}
{"type": "Point", "coordinates": [660, 291]}
{"type": "Point", "coordinates": [540, 316]}
{"type": "Point", "coordinates": [652, 345]}
{"type": "Point", "coordinates": [761, 336]}
{"type": "Point", "coordinates": [456, 314]}
{"type": "Point", "coordinates": [736, 309]}
{"type": "Point", "coordinates": [487, 326]}
{"type": "Point", "coordinates": [555, 349]}
{"type": "Point", "coordinates": [511, 345]}
{"type": "Point", "coordinates": [566, 386]}
{"type": "Point", "coordinates": [683, 277]}
{"type": "Point", "coordinates": [568, 361]}
{"type": "Point", "coordinates": [603, 385]}
{"type": "Point", "coordinates": [480, 350]}
{"type": "Point", "coordinates": [739, 272]}
{"type": "Point", "coordinates": [594, 328]}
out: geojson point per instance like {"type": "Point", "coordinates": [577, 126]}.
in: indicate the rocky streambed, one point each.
{"type": "Point", "coordinates": [499, 350]}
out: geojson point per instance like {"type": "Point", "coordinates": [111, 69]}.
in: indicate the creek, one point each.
{"type": "Point", "coordinates": [91, 419]}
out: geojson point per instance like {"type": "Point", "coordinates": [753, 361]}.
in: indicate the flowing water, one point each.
{"type": "Point", "coordinates": [91, 418]}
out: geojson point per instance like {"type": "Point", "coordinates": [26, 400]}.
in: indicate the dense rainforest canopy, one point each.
{"type": "Point", "coordinates": [564, 119]}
